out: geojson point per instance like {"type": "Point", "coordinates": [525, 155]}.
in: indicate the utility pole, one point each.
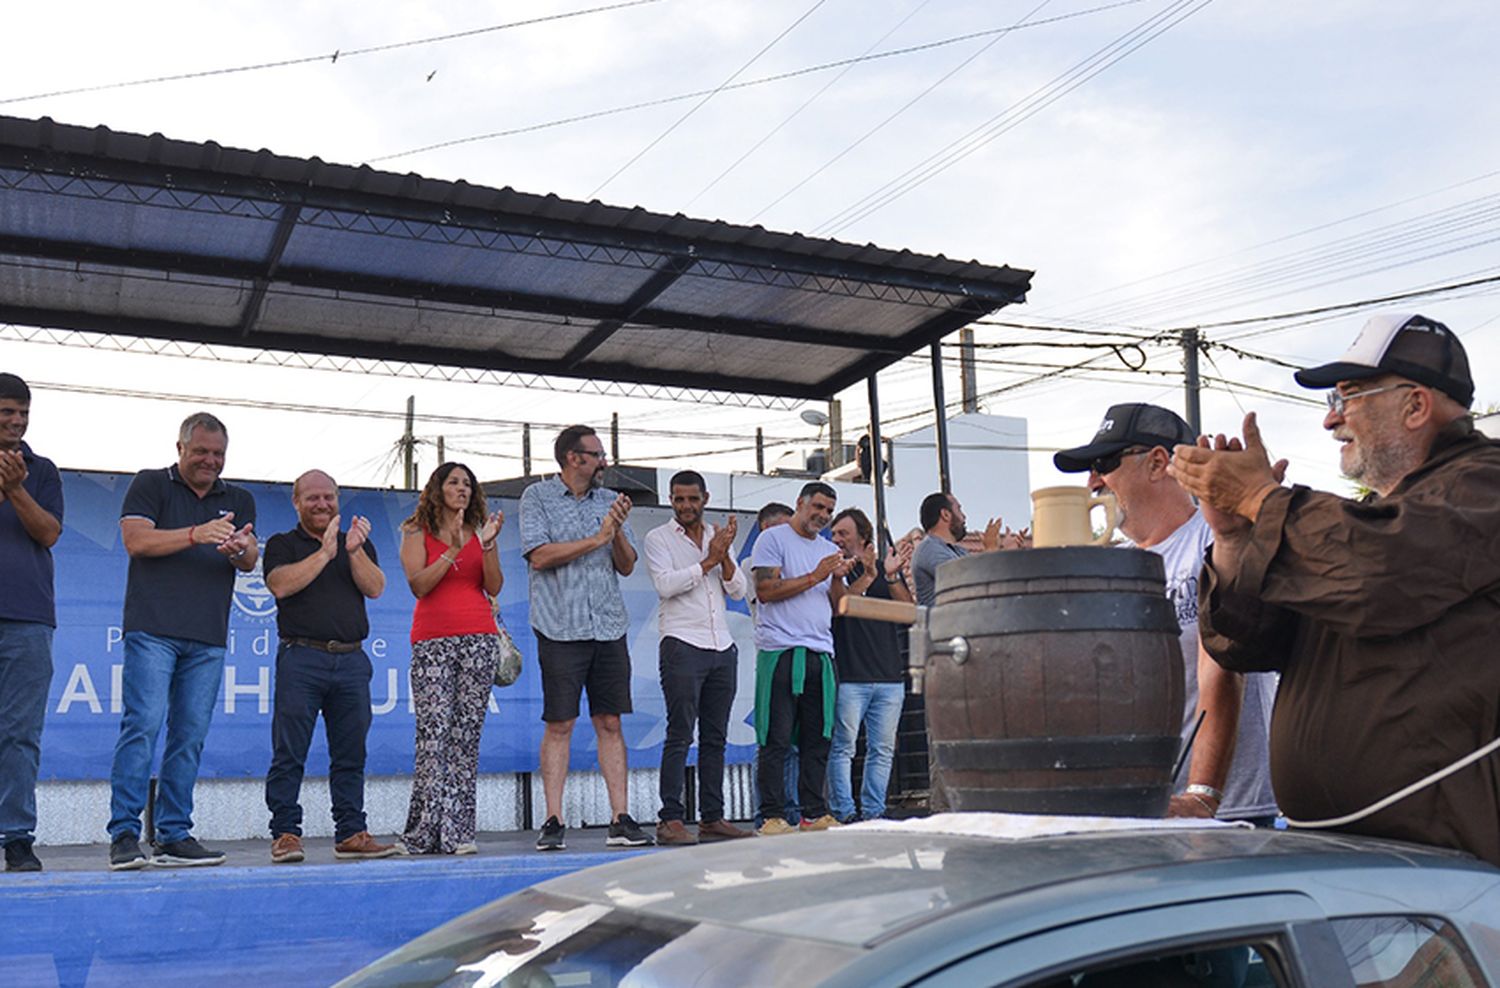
{"type": "Point", "coordinates": [614, 438]}
{"type": "Point", "coordinates": [409, 444]}
{"type": "Point", "coordinates": [442, 452]}
{"type": "Point", "coordinates": [967, 373]}
{"type": "Point", "coordinates": [760, 450]}
{"type": "Point", "coordinates": [1193, 385]}
{"type": "Point", "coordinates": [526, 449]}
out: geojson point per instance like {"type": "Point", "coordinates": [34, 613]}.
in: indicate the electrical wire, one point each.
{"type": "Point", "coordinates": [1284, 238]}
{"type": "Point", "coordinates": [330, 57]}
{"type": "Point", "coordinates": [798, 111]}
{"type": "Point", "coordinates": [1014, 115]}
{"type": "Point", "coordinates": [763, 80]}
{"type": "Point", "coordinates": [849, 148]}
{"type": "Point", "coordinates": [700, 104]}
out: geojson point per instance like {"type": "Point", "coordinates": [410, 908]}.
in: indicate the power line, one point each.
{"type": "Point", "coordinates": [330, 57]}
{"type": "Point", "coordinates": [899, 110]}
{"type": "Point", "coordinates": [712, 93]}
{"type": "Point", "coordinates": [260, 404]}
{"type": "Point", "coordinates": [1012, 116]}
{"type": "Point", "coordinates": [763, 80]}
{"type": "Point", "coordinates": [805, 104]}
{"type": "Point", "coordinates": [1361, 304]}
{"type": "Point", "coordinates": [1317, 228]}
{"type": "Point", "coordinates": [1457, 228]}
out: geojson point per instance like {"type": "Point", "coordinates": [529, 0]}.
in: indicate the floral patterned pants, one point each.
{"type": "Point", "coordinates": [450, 684]}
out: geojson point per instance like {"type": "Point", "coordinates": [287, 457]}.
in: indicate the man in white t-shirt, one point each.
{"type": "Point", "coordinates": [1228, 775]}
{"type": "Point", "coordinates": [798, 580]}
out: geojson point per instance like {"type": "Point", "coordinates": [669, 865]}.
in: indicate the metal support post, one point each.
{"type": "Point", "coordinates": [877, 470]}
{"type": "Point", "coordinates": [940, 409]}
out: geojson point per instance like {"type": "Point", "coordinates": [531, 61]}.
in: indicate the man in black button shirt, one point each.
{"type": "Point", "coordinates": [320, 578]}
{"type": "Point", "coordinates": [187, 533]}
{"type": "Point", "coordinates": [872, 679]}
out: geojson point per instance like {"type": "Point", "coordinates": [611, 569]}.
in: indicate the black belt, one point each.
{"type": "Point", "coordinates": [335, 647]}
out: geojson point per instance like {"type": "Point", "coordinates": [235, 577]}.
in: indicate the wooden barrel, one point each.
{"type": "Point", "coordinates": [1070, 699]}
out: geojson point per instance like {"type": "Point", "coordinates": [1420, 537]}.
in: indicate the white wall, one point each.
{"type": "Point", "coordinates": [986, 454]}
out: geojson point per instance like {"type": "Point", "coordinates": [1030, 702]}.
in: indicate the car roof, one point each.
{"type": "Point", "coordinates": [859, 886]}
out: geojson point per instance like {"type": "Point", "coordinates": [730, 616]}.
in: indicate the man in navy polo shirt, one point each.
{"type": "Point", "coordinates": [320, 578]}
{"type": "Point", "coordinates": [187, 533]}
{"type": "Point", "coordinates": [31, 510]}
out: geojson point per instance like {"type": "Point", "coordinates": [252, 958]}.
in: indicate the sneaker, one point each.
{"type": "Point", "coordinates": [671, 833]}
{"type": "Point", "coordinates": [20, 857]}
{"type": "Point", "coordinates": [185, 853]}
{"type": "Point", "coordinates": [125, 853]}
{"type": "Point", "coordinates": [286, 849]}
{"type": "Point", "coordinates": [775, 826]}
{"type": "Point", "coordinates": [551, 837]}
{"type": "Point", "coordinates": [721, 830]}
{"type": "Point", "coordinates": [824, 822]}
{"type": "Point", "coordinates": [362, 846]}
{"type": "Point", "coordinates": [625, 832]}
{"type": "Point", "coordinates": [468, 848]}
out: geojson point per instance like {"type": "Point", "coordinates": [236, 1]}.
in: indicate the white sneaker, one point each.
{"type": "Point", "coordinates": [469, 848]}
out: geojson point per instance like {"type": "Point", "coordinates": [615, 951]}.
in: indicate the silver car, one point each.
{"type": "Point", "coordinates": [866, 906]}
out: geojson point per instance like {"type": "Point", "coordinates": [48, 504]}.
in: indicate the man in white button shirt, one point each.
{"type": "Point", "coordinates": [692, 565]}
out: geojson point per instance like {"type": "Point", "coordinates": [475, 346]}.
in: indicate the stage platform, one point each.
{"type": "Point", "coordinates": [247, 921]}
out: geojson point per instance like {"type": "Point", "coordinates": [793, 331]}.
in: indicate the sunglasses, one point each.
{"type": "Point", "coordinates": [1111, 463]}
{"type": "Point", "coordinates": [597, 453]}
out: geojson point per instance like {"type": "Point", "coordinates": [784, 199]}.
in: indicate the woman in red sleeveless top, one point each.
{"type": "Point", "coordinates": [449, 553]}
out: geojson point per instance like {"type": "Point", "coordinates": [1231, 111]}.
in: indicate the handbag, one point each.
{"type": "Point", "coordinates": [508, 669]}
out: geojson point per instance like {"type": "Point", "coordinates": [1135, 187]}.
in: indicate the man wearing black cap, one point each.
{"type": "Point", "coordinates": [1227, 775]}
{"type": "Point", "coordinates": [1379, 613]}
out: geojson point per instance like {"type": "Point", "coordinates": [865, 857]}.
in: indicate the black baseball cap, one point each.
{"type": "Point", "coordinates": [1415, 347]}
{"type": "Point", "coordinates": [1124, 426]}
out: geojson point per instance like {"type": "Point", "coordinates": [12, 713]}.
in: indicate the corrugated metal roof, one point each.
{"type": "Point", "coordinates": [115, 232]}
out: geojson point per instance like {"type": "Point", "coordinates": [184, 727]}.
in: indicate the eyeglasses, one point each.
{"type": "Point", "coordinates": [1337, 399]}
{"type": "Point", "coordinates": [598, 453]}
{"type": "Point", "coordinates": [1111, 463]}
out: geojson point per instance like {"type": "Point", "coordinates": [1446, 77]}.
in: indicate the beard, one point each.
{"type": "Point", "coordinates": [958, 530]}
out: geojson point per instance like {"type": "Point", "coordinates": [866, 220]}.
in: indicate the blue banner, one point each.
{"type": "Point", "coordinates": [83, 715]}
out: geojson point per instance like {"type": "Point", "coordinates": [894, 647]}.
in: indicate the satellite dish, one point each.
{"type": "Point", "coordinates": [814, 417]}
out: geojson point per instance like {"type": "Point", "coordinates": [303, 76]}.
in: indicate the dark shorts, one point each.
{"type": "Point", "coordinates": [568, 667]}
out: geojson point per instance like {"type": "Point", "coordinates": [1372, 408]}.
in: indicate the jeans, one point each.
{"type": "Point", "coordinates": [698, 685]}
{"type": "Point", "coordinates": [25, 674]}
{"type": "Point", "coordinates": [308, 681]}
{"type": "Point", "coordinates": [802, 715]}
{"type": "Point", "coordinates": [171, 680]}
{"type": "Point", "coordinates": [878, 706]}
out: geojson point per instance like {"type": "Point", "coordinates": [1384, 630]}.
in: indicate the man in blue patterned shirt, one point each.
{"type": "Point", "coordinates": [576, 537]}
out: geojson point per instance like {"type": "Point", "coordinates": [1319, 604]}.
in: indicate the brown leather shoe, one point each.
{"type": "Point", "coordinates": [671, 833]}
{"type": "Point", "coordinates": [362, 845]}
{"type": "Point", "coordinates": [286, 849]}
{"type": "Point", "coordinates": [721, 830]}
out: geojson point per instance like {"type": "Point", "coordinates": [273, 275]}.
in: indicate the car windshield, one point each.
{"type": "Point", "coordinates": [536, 940]}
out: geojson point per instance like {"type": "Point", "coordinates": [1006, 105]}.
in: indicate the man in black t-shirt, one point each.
{"type": "Point", "coordinates": [872, 681]}
{"type": "Point", "coordinates": [321, 578]}
{"type": "Point", "coordinates": [188, 534]}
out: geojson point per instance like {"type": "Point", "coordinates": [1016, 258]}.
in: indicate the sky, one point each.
{"type": "Point", "coordinates": [1160, 164]}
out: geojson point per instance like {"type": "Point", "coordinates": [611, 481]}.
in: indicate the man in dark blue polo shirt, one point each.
{"type": "Point", "coordinates": [320, 578]}
{"type": "Point", "coordinates": [187, 533]}
{"type": "Point", "coordinates": [31, 510]}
